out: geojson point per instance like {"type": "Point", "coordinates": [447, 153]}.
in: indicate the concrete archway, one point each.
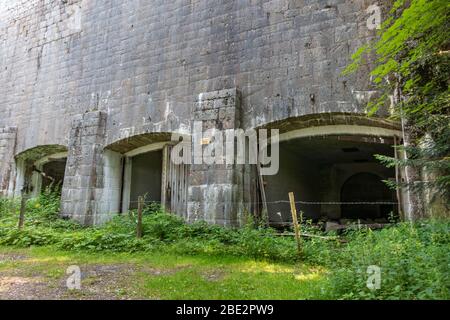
{"type": "Point", "coordinates": [146, 170]}
{"type": "Point", "coordinates": [318, 154]}
{"type": "Point", "coordinates": [40, 167]}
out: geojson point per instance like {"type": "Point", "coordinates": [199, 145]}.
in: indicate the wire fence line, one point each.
{"type": "Point", "coordinates": [330, 202]}
{"type": "Point", "coordinates": [287, 202]}
{"type": "Point", "coordinates": [299, 202]}
{"type": "Point", "coordinates": [158, 202]}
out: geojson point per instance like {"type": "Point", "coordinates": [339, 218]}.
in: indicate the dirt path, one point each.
{"type": "Point", "coordinates": [26, 279]}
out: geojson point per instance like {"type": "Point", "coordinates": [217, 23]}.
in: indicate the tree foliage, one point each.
{"type": "Point", "coordinates": [411, 69]}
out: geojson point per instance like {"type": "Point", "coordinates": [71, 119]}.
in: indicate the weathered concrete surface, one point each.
{"type": "Point", "coordinates": [84, 168]}
{"type": "Point", "coordinates": [144, 64]}
{"type": "Point", "coordinates": [215, 191]}
{"type": "Point", "coordinates": [138, 67]}
{"type": "Point", "coordinates": [7, 148]}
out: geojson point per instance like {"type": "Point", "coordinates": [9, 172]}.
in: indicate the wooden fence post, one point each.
{"type": "Point", "coordinates": [23, 204]}
{"type": "Point", "coordinates": [139, 222]}
{"type": "Point", "coordinates": [295, 222]}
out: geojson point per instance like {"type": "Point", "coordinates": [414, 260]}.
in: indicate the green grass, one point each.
{"type": "Point", "coordinates": [176, 260]}
{"type": "Point", "coordinates": [170, 276]}
{"type": "Point", "coordinates": [237, 280]}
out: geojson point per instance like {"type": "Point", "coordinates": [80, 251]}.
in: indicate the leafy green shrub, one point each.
{"type": "Point", "coordinates": [161, 226]}
{"type": "Point", "coordinates": [204, 230]}
{"type": "Point", "coordinates": [263, 243]}
{"type": "Point", "coordinates": [414, 262]}
{"type": "Point", "coordinates": [98, 240]}
{"type": "Point", "coordinates": [414, 259]}
{"type": "Point", "coordinates": [27, 237]}
{"type": "Point", "coordinates": [46, 205]}
{"type": "Point", "coordinates": [5, 206]}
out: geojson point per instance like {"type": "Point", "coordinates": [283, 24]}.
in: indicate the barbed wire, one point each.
{"type": "Point", "coordinates": [288, 202]}
{"type": "Point", "coordinates": [337, 202]}
{"type": "Point", "coordinates": [300, 202]}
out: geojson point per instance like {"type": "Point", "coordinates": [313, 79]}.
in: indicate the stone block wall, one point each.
{"type": "Point", "coordinates": [141, 65]}
{"type": "Point", "coordinates": [84, 168]}
{"type": "Point", "coordinates": [215, 190]}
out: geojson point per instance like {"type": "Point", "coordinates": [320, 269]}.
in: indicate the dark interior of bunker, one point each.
{"type": "Point", "coordinates": [334, 178]}
{"type": "Point", "coordinates": [53, 173]}
{"type": "Point", "coordinates": [146, 178]}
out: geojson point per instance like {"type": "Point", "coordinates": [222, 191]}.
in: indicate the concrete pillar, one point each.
{"type": "Point", "coordinates": [84, 168]}
{"type": "Point", "coordinates": [435, 204]}
{"type": "Point", "coordinates": [215, 192]}
{"type": "Point", "coordinates": [7, 146]}
{"type": "Point", "coordinates": [128, 163]}
{"type": "Point", "coordinates": [413, 201]}
{"type": "Point", "coordinates": [36, 182]}
{"type": "Point", "coordinates": [19, 179]}
{"type": "Point", "coordinates": [108, 195]}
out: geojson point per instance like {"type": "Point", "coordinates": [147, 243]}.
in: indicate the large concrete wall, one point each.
{"type": "Point", "coordinates": [145, 62]}
{"type": "Point", "coordinates": [140, 66]}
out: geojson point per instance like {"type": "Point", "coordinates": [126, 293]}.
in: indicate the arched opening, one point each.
{"type": "Point", "coordinates": [315, 168]}
{"type": "Point", "coordinates": [40, 167]}
{"type": "Point", "coordinates": [368, 188]}
{"type": "Point", "coordinates": [147, 171]}
{"type": "Point", "coordinates": [54, 169]}
{"type": "Point", "coordinates": [316, 160]}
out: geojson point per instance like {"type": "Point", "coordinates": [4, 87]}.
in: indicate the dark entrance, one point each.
{"type": "Point", "coordinates": [146, 175]}
{"type": "Point", "coordinates": [366, 187]}
{"type": "Point", "coordinates": [54, 169]}
{"type": "Point", "coordinates": [317, 170]}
